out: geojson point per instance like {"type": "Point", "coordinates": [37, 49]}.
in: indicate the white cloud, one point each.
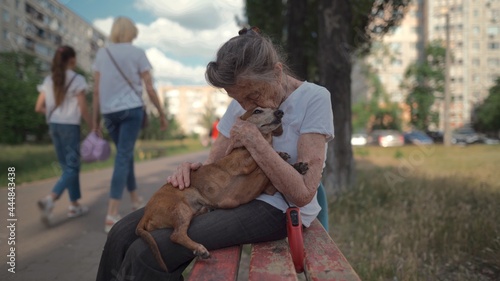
{"type": "Point", "coordinates": [170, 72]}
{"type": "Point", "coordinates": [184, 37]}
{"type": "Point", "coordinates": [194, 14]}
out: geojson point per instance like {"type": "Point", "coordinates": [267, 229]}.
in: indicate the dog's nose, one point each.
{"type": "Point", "coordinates": [278, 113]}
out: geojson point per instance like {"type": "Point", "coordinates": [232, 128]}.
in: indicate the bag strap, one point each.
{"type": "Point", "coordinates": [121, 72]}
{"type": "Point", "coordinates": [65, 90]}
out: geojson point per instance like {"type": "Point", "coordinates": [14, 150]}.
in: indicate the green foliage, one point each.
{"type": "Point", "coordinates": [153, 132]}
{"type": "Point", "coordinates": [208, 117]}
{"type": "Point", "coordinates": [371, 19]}
{"type": "Point", "coordinates": [378, 112]}
{"type": "Point", "coordinates": [488, 113]}
{"type": "Point", "coordinates": [19, 77]}
{"type": "Point", "coordinates": [425, 81]}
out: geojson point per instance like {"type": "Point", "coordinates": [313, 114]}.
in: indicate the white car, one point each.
{"type": "Point", "coordinates": [359, 139]}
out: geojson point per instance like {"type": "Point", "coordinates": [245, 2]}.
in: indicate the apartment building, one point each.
{"type": "Point", "coordinates": [474, 30]}
{"type": "Point", "coordinates": [475, 45]}
{"type": "Point", "coordinates": [188, 104]}
{"type": "Point", "coordinates": [38, 27]}
{"type": "Point", "coordinates": [399, 48]}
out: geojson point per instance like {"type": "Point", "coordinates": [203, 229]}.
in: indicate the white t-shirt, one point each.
{"type": "Point", "coordinates": [115, 94]}
{"type": "Point", "coordinates": [68, 112]}
{"type": "Point", "coordinates": [307, 110]}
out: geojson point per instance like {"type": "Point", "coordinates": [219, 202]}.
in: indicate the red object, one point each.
{"type": "Point", "coordinates": [222, 265]}
{"type": "Point", "coordinates": [295, 238]}
{"type": "Point", "coordinates": [214, 131]}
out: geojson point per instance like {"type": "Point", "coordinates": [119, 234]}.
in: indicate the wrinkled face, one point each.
{"type": "Point", "coordinates": [266, 119]}
{"type": "Point", "coordinates": [251, 94]}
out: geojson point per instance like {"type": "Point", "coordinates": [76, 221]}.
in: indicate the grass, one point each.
{"type": "Point", "coordinates": [422, 213]}
{"type": "Point", "coordinates": [36, 162]}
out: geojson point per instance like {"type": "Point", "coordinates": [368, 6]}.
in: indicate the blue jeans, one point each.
{"type": "Point", "coordinates": [123, 127]}
{"type": "Point", "coordinates": [66, 140]}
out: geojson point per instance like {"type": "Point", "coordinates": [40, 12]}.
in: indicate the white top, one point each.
{"type": "Point", "coordinates": [115, 94]}
{"type": "Point", "coordinates": [68, 112]}
{"type": "Point", "coordinates": [307, 110]}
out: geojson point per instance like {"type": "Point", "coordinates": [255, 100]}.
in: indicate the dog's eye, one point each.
{"type": "Point", "coordinates": [257, 111]}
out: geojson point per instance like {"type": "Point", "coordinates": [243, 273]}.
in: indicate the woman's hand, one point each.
{"type": "Point", "coordinates": [242, 133]}
{"type": "Point", "coordinates": [181, 177]}
{"type": "Point", "coordinates": [163, 122]}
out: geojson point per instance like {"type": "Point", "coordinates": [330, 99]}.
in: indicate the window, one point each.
{"type": "Point", "coordinates": [476, 30]}
{"type": "Point", "coordinates": [493, 30]}
{"type": "Point", "coordinates": [5, 34]}
{"type": "Point", "coordinates": [476, 46]}
{"type": "Point", "coordinates": [476, 62]}
{"type": "Point", "coordinates": [396, 47]}
{"type": "Point", "coordinates": [5, 15]}
{"type": "Point", "coordinates": [493, 62]}
{"type": "Point", "coordinates": [476, 13]}
{"type": "Point", "coordinates": [397, 62]}
{"type": "Point", "coordinates": [476, 78]}
{"type": "Point", "coordinates": [493, 45]}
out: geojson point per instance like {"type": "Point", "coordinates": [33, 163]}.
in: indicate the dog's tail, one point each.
{"type": "Point", "coordinates": [144, 234]}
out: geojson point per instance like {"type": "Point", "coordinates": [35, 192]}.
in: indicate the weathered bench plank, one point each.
{"type": "Point", "coordinates": [324, 260]}
{"type": "Point", "coordinates": [223, 263]}
{"type": "Point", "coordinates": [271, 261]}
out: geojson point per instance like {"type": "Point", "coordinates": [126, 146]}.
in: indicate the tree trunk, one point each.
{"type": "Point", "coordinates": [334, 62]}
{"type": "Point", "coordinates": [296, 39]}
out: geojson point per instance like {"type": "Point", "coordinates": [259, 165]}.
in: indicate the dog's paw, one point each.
{"type": "Point", "coordinates": [202, 252]}
{"type": "Point", "coordinates": [285, 156]}
{"type": "Point", "coordinates": [301, 167]}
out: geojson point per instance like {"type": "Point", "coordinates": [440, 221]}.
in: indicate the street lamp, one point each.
{"type": "Point", "coordinates": [447, 94]}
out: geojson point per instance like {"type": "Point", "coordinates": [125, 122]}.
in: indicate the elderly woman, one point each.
{"type": "Point", "coordinates": [252, 72]}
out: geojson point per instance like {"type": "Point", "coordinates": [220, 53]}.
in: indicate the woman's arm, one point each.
{"type": "Point", "coordinates": [82, 104]}
{"type": "Point", "coordinates": [298, 189]}
{"type": "Point", "coordinates": [40, 104]}
{"type": "Point", "coordinates": [148, 82]}
{"type": "Point", "coordinates": [95, 104]}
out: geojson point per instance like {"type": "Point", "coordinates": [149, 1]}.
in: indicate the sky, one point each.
{"type": "Point", "coordinates": [180, 37]}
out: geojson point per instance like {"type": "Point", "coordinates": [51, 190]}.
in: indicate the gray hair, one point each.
{"type": "Point", "coordinates": [249, 56]}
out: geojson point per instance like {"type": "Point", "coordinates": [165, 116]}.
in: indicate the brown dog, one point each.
{"type": "Point", "coordinates": [229, 182]}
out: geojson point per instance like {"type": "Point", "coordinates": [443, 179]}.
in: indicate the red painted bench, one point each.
{"type": "Point", "coordinates": [272, 261]}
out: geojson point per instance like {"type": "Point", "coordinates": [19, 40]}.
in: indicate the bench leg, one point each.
{"type": "Point", "coordinates": [323, 202]}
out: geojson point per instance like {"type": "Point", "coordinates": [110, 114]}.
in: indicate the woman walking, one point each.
{"type": "Point", "coordinates": [119, 71]}
{"type": "Point", "coordinates": [62, 100]}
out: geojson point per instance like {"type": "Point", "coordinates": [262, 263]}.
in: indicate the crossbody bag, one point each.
{"type": "Point", "coordinates": [145, 115]}
{"type": "Point", "coordinates": [65, 91]}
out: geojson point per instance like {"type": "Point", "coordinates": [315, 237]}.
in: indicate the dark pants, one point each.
{"type": "Point", "coordinates": [128, 257]}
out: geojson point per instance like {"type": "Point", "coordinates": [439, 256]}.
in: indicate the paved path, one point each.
{"type": "Point", "coordinates": [71, 249]}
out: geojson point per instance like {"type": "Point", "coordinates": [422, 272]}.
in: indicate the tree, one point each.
{"type": "Point", "coordinates": [425, 81]}
{"type": "Point", "coordinates": [342, 28]}
{"type": "Point", "coordinates": [377, 112]}
{"type": "Point", "coordinates": [19, 77]}
{"type": "Point", "coordinates": [488, 113]}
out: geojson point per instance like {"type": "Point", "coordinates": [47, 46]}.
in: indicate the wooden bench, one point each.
{"type": "Point", "coordinates": [272, 261]}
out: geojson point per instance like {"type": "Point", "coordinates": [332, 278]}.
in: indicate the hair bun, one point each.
{"type": "Point", "coordinates": [251, 31]}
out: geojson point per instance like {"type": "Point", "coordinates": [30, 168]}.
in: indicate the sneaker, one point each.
{"type": "Point", "coordinates": [138, 204]}
{"type": "Point", "coordinates": [46, 205]}
{"type": "Point", "coordinates": [76, 211]}
{"type": "Point", "coordinates": [110, 221]}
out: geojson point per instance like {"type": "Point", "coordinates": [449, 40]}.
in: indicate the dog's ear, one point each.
{"type": "Point", "coordinates": [278, 132]}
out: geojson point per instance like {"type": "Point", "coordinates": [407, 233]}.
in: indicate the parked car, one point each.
{"type": "Point", "coordinates": [359, 139]}
{"type": "Point", "coordinates": [465, 135]}
{"type": "Point", "coordinates": [418, 138]}
{"type": "Point", "coordinates": [436, 136]}
{"type": "Point", "coordinates": [386, 138]}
